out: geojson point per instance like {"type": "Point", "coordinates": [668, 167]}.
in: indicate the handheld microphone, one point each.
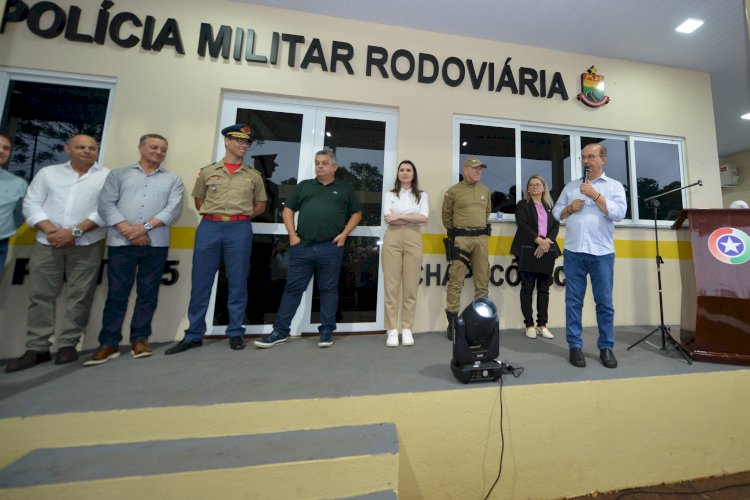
{"type": "Point", "coordinates": [585, 174]}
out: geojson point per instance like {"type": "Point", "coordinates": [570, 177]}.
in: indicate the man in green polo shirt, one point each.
{"type": "Point", "coordinates": [328, 212]}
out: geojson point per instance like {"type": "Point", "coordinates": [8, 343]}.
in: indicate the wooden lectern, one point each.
{"type": "Point", "coordinates": [715, 270]}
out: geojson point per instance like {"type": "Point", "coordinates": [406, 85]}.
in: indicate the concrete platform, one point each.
{"type": "Point", "coordinates": [663, 420]}
{"type": "Point", "coordinates": [357, 365]}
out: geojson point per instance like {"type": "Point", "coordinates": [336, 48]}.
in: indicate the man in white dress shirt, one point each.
{"type": "Point", "coordinates": [590, 207]}
{"type": "Point", "coordinates": [61, 203]}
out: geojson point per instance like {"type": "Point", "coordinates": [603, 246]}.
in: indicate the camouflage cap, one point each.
{"type": "Point", "coordinates": [473, 161]}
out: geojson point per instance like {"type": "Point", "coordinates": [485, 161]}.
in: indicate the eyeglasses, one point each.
{"type": "Point", "coordinates": [587, 157]}
{"type": "Point", "coordinates": [241, 142]}
{"type": "Point", "coordinates": [536, 185]}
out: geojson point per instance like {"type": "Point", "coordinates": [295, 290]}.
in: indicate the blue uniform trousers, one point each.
{"type": "Point", "coordinates": [214, 240]}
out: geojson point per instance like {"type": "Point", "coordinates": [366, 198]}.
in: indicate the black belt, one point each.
{"type": "Point", "coordinates": [458, 231]}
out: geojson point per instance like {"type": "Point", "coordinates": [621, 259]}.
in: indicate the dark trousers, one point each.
{"type": "Point", "coordinates": [542, 282]}
{"type": "Point", "coordinates": [125, 265]}
{"type": "Point", "coordinates": [3, 254]}
{"type": "Point", "coordinates": [322, 260]}
{"type": "Point", "coordinates": [216, 240]}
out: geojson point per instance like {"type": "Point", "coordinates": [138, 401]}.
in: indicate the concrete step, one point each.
{"type": "Point", "coordinates": [339, 462]}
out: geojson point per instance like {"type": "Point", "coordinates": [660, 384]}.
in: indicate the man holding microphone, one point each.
{"type": "Point", "coordinates": [590, 207]}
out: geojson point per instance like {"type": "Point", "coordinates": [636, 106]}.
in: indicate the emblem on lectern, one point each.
{"type": "Point", "coordinates": [729, 245]}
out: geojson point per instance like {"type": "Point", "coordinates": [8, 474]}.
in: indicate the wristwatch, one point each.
{"type": "Point", "coordinates": [147, 226]}
{"type": "Point", "coordinates": [76, 232]}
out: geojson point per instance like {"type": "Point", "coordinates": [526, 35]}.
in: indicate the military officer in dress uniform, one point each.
{"type": "Point", "coordinates": [466, 207]}
{"type": "Point", "coordinates": [228, 194]}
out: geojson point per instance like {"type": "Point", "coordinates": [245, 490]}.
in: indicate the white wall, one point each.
{"type": "Point", "coordinates": [742, 190]}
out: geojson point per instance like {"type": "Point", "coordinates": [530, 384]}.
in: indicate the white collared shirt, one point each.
{"type": "Point", "coordinates": [589, 230]}
{"type": "Point", "coordinates": [58, 194]}
{"type": "Point", "coordinates": [405, 203]}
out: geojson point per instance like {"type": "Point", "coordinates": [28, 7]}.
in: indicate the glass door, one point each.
{"type": "Point", "coordinates": [290, 132]}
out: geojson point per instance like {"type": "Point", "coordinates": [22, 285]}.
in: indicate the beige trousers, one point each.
{"type": "Point", "coordinates": [476, 253]}
{"type": "Point", "coordinates": [402, 264]}
{"type": "Point", "coordinates": [79, 265]}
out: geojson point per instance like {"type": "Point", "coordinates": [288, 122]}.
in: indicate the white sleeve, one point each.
{"type": "Point", "coordinates": [387, 203]}
{"type": "Point", "coordinates": [36, 195]}
{"type": "Point", "coordinates": [424, 204]}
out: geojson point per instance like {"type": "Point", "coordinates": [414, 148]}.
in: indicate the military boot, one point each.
{"type": "Point", "coordinates": [452, 321]}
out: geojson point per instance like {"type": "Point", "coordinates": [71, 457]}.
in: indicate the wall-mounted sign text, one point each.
{"type": "Point", "coordinates": [127, 30]}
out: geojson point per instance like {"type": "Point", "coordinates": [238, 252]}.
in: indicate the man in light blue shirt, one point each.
{"type": "Point", "coordinates": [590, 207]}
{"type": "Point", "coordinates": [12, 191]}
{"type": "Point", "coordinates": [139, 202]}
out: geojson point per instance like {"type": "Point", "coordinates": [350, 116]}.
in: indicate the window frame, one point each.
{"type": "Point", "coordinates": [8, 74]}
{"type": "Point", "coordinates": [634, 174]}
{"type": "Point", "coordinates": [576, 169]}
{"type": "Point", "coordinates": [314, 114]}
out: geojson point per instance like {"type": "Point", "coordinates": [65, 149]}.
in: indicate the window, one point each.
{"type": "Point", "coordinates": [548, 156]}
{"type": "Point", "coordinates": [360, 152]}
{"type": "Point", "coordinates": [658, 171]}
{"type": "Point", "coordinates": [41, 112]}
{"type": "Point", "coordinates": [496, 147]}
{"type": "Point", "coordinates": [275, 155]}
{"type": "Point", "coordinates": [513, 152]}
{"type": "Point", "coordinates": [617, 166]}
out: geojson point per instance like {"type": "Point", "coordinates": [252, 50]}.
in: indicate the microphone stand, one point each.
{"type": "Point", "coordinates": [666, 335]}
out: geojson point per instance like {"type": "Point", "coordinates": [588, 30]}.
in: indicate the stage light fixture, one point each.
{"type": "Point", "coordinates": [476, 343]}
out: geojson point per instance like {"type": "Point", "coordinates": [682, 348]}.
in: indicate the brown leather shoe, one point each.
{"type": "Point", "coordinates": [103, 354]}
{"type": "Point", "coordinates": [141, 350]}
{"type": "Point", "coordinates": [28, 360]}
{"type": "Point", "coordinates": [66, 355]}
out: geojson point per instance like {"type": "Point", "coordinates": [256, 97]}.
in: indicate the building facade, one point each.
{"type": "Point", "coordinates": [375, 94]}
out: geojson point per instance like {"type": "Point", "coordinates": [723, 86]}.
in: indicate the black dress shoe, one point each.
{"type": "Point", "coordinates": [576, 357]}
{"type": "Point", "coordinates": [28, 360]}
{"type": "Point", "coordinates": [608, 358]}
{"type": "Point", "coordinates": [236, 343]}
{"type": "Point", "coordinates": [66, 355]}
{"type": "Point", "coordinates": [182, 346]}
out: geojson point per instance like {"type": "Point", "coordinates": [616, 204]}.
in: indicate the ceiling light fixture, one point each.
{"type": "Point", "coordinates": [689, 25]}
{"type": "Point", "coordinates": [746, 116]}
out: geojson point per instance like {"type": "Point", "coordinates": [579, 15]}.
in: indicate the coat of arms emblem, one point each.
{"type": "Point", "coordinates": [592, 89]}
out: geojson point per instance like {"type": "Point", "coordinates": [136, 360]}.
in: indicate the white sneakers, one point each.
{"type": "Point", "coordinates": [544, 332]}
{"type": "Point", "coordinates": [391, 338]}
{"type": "Point", "coordinates": [406, 337]}
{"type": "Point", "coordinates": [541, 330]}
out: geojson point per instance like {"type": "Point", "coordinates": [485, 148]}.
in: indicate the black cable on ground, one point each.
{"type": "Point", "coordinates": [502, 441]}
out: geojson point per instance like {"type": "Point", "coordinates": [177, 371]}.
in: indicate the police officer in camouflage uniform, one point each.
{"type": "Point", "coordinates": [228, 194]}
{"type": "Point", "coordinates": [466, 207]}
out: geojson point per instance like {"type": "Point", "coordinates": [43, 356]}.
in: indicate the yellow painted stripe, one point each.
{"type": "Point", "coordinates": [24, 237]}
{"type": "Point", "coordinates": [183, 237]}
{"type": "Point", "coordinates": [628, 249]}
